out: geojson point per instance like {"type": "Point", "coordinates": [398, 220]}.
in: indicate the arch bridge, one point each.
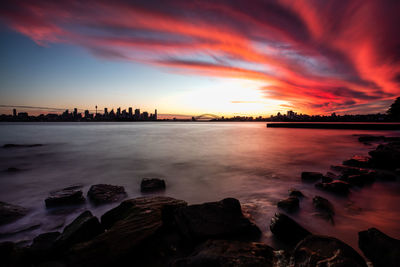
{"type": "Point", "coordinates": [206, 117]}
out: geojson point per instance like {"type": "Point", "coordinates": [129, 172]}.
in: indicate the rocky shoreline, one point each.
{"type": "Point", "coordinates": [163, 231]}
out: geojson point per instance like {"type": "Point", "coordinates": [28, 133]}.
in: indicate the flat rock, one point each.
{"type": "Point", "coordinates": [337, 187]}
{"type": "Point", "coordinates": [358, 161]}
{"type": "Point", "coordinates": [152, 184]}
{"type": "Point", "coordinates": [290, 204]}
{"type": "Point", "coordinates": [286, 229]}
{"type": "Point", "coordinates": [64, 197]}
{"type": "Point", "coordinates": [348, 170]}
{"type": "Point", "coordinates": [311, 176]}
{"type": "Point", "coordinates": [315, 250]}
{"type": "Point", "coordinates": [324, 207]}
{"type": "Point", "coordinates": [106, 193]}
{"type": "Point", "coordinates": [10, 212]}
{"type": "Point", "coordinates": [382, 250]}
{"type": "Point", "coordinates": [225, 253]}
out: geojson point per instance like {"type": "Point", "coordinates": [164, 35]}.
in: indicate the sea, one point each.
{"type": "Point", "coordinates": [200, 162]}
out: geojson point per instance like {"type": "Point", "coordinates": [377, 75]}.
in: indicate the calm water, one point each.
{"type": "Point", "coordinates": [199, 161]}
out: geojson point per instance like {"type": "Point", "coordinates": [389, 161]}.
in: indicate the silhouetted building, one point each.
{"type": "Point", "coordinates": [155, 115]}
{"type": "Point", "coordinates": [14, 112]}
{"type": "Point", "coordinates": [130, 113]}
{"type": "Point", "coordinates": [118, 112]}
{"type": "Point", "coordinates": [137, 114]}
{"type": "Point", "coordinates": [105, 112]}
{"type": "Point", "coordinates": [145, 115]}
{"type": "Point", "coordinates": [75, 113]}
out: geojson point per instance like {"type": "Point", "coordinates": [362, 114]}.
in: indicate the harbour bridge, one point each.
{"type": "Point", "coordinates": [206, 117]}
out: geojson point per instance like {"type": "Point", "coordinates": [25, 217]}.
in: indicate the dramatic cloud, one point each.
{"type": "Point", "coordinates": [320, 56]}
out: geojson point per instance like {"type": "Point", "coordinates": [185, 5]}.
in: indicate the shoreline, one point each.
{"type": "Point", "coordinates": [338, 125]}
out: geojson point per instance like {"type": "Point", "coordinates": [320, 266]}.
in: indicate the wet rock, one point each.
{"type": "Point", "coordinates": [326, 179]}
{"type": "Point", "coordinates": [63, 197]}
{"type": "Point", "coordinates": [371, 138]}
{"type": "Point", "coordinates": [324, 207]}
{"type": "Point", "coordinates": [386, 156]}
{"type": "Point", "coordinates": [337, 187]}
{"type": "Point", "coordinates": [311, 176]}
{"type": "Point", "coordinates": [361, 179]}
{"type": "Point", "coordinates": [105, 193]}
{"type": "Point", "coordinates": [12, 169]}
{"type": "Point", "coordinates": [384, 175]}
{"type": "Point", "coordinates": [358, 161]}
{"type": "Point", "coordinates": [381, 249]}
{"type": "Point", "coordinates": [83, 228]}
{"type": "Point", "coordinates": [290, 204]}
{"type": "Point", "coordinates": [10, 212]}
{"type": "Point", "coordinates": [224, 253]}
{"type": "Point", "coordinates": [286, 229]}
{"type": "Point", "coordinates": [152, 184]}
{"type": "Point", "coordinates": [329, 177]}
{"type": "Point", "coordinates": [223, 219]}
{"type": "Point", "coordinates": [317, 250]}
{"type": "Point", "coordinates": [42, 246]}
{"type": "Point", "coordinates": [13, 229]}
{"type": "Point", "coordinates": [295, 193]}
{"type": "Point", "coordinates": [21, 145]}
{"type": "Point", "coordinates": [138, 233]}
{"type": "Point", "coordinates": [348, 170]}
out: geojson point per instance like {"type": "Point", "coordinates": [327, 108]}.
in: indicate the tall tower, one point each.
{"type": "Point", "coordinates": [96, 109]}
{"type": "Point", "coordinates": [155, 114]}
{"type": "Point", "coordinates": [14, 112]}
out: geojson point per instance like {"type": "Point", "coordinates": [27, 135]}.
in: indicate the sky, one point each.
{"type": "Point", "coordinates": [185, 57]}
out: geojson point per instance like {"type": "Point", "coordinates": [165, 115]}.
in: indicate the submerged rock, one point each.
{"type": "Point", "coordinates": [106, 193]}
{"type": "Point", "coordinates": [295, 193]}
{"type": "Point", "coordinates": [152, 184]}
{"type": "Point", "coordinates": [10, 212]}
{"type": "Point", "coordinates": [317, 250]}
{"type": "Point", "coordinates": [225, 253]}
{"type": "Point", "coordinates": [324, 207]}
{"type": "Point", "coordinates": [358, 161]}
{"type": "Point", "coordinates": [337, 187]}
{"type": "Point", "coordinates": [382, 250]}
{"type": "Point", "coordinates": [223, 219]}
{"type": "Point", "coordinates": [67, 196]}
{"type": "Point", "coordinates": [287, 230]}
{"type": "Point", "coordinates": [290, 204]}
{"type": "Point", "coordinates": [311, 176]}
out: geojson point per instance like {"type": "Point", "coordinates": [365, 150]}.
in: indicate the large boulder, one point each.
{"type": "Point", "coordinates": [223, 219]}
{"type": "Point", "coordinates": [106, 193]}
{"type": "Point", "coordinates": [223, 253]}
{"type": "Point", "coordinates": [386, 156]}
{"type": "Point", "coordinates": [382, 250]}
{"type": "Point", "coordinates": [324, 207]}
{"type": "Point", "coordinates": [42, 247]}
{"type": "Point", "coordinates": [67, 196]}
{"type": "Point", "coordinates": [358, 161]}
{"type": "Point", "coordinates": [287, 230]}
{"type": "Point", "coordinates": [295, 193]}
{"type": "Point", "coordinates": [10, 212]}
{"type": "Point", "coordinates": [83, 228]}
{"type": "Point", "coordinates": [311, 176]}
{"type": "Point", "coordinates": [337, 187]}
{"type": "Point", "coordinates": [289, 204]}
{"type": "Point", "coordinates": [152, 184]}
{"type": "Point", "coordinates": [137, 232]}
{"type": "Point", "coordinates": [315, 250]}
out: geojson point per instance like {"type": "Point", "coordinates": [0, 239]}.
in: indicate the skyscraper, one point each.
{"type": "Point", "coordinates": [155, 115]}
{"type": "Point", "coordinates": [130, 112]}
{"type": "Point", "coordinates": [14, 112]}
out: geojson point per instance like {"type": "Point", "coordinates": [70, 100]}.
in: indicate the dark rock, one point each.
{"type": "Point", "coordinates": [63, 197]}
{"type": "Point", "coordinates": [290, 204]}
{"type": "Point", "coordinates": [324, 207]}
{"type": "Point", "coordinates": [361, 179]}
{"type": "Point", "coordinates": [224, 253]}
{"type": "Point", "coordinates": [105, 193]}
{"type": "Point", "coordinates": [371, 138]}
{"type": "Point", "coordinates": [152, 184]}
{"type": "Point", "coordinates": [386, 156]}
{"type": "Point", "coordinates": [138, 231]}
{"type": "Point", "coordinates": [286, 229]}
{"type": "Point", "coordinates": [42, 246]}
{"type": "Point", "coordinates": [13, 229]}
{"type": "Point", "coordinates": [223, 219]}
{"type": "Point", "coordinates": [358, 161]}
{"type": "Point", "coordinates": [12, 169]}
{"type": "Point", "coordinates": [20, 145]}
{"type": "Point", "coordinates": [337, 187]}
{"type": "Point", "coordinates": [295, 193]}
{"type": "Point", "coordinates": [321, 251]}
{"type": "Point", "coordinates": [83, 228]}
{"type": "Point", "coordinates": [326, 179]}
{"type": "Point", "coordinates": [382, 250]}
{"type": "Point", "coordinates": [311, 176]}
{"type": "Point", "coordinates": [384, 175]}
{"type": "Point", "coordinates": [329, 177]}
{"type": "Point", "coordinates": [10, 213]}
{"type": "Point", "coordinates": [349, 170]}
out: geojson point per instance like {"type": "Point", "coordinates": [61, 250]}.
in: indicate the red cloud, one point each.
{"type": "Point", "coordinates": [321, 56]}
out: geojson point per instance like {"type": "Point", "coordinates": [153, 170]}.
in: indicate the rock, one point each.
{"type": "Point", "coordinates": [337, 187]}
{"type": "Point", "coordinates": [20, 146]}
{"type": "Point", "coordinates": [381, 249]}
{"type": "Point", "coordinates": [224, 253]}
{"type": "Point", "coordinates": [361, 179]}
{"type": "Point", "coordinates": [358, 161]}
{"type": "Point", "coordinates": [43, 246]}
{"type": "Point", "coordinates": [311, 176]}
{"type": "Point", "coordinates": [326, 179]}
{"type": "Point", "coordinates": [330, 176]}
{"type": "Point", "coordinates": [138, 231]}
{"type": "Point", "coordinates": [12, 169]}
{"type": "Point", "coordinates": [223, 219]}
{"type": "Point", "coordinates": [290, 204]}
{"type": "Point", "coordinates": [371, 138]}
{"type": "Point", "coordinates": [152, 184]}
{"type": "Point", "coordinates": [320, 251]}
{"type": "Point", "coordinates": [10, 213]}
{"type": "Point", "coordinates": [83, 228]}
{"type": "Point", "coordinates": [384, 175]}
{"type": "Point", "coordinates": [386, 156]}
{"type": "Point", "coordinates": [13, 229]}
{"type": "Point", "coordinates": [105, 193]}
{"type": "Point", "coordinates": [295, 193]}
{"type": "Point", "coordinates": [348, 170]}
{"type": "Point", "coordinates": [324, 207]}
{"type": "Point", "coordinates": [63, 197]}
{"type": "Point", "coordinates": [286, 229]}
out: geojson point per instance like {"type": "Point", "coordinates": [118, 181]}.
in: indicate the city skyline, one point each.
{"type": "Point", "coordinates": [225, 58]}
